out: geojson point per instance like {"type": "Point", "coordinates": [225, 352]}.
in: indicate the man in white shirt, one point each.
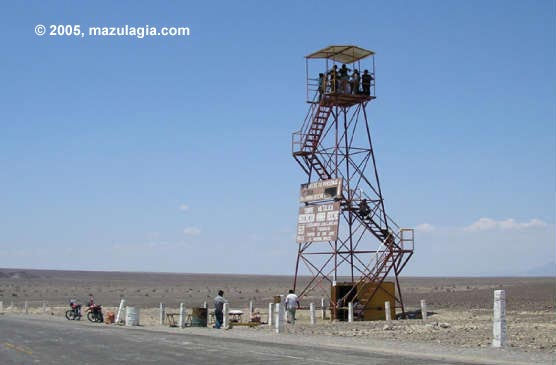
{"type": "Point", "coordinates": [292, 303]}
{"type": "Point", "coordinates": [219, 301]}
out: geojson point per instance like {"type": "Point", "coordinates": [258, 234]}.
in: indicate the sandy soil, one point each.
{"type": "Point", "coordinates": [462, 306]}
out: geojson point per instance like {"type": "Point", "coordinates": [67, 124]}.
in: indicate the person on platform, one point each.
{"type": "Point", "coordinates": [219, 301]}
{"type": "Point", "coordinates": [355, 82]}
{"type": "Point", "coordinates": [322, 85]}
{"type": "Point", "coordinates": [333, 77]}
{"type": "Point", "coordinates": [366, 82]}
{"type": "Point", "coordinates": [292, 304]}
{"type": "Point", "coordinates": [344, 79]}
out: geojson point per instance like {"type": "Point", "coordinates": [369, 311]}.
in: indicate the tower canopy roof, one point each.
{"type": "Point", "coordinates": [343, 54]}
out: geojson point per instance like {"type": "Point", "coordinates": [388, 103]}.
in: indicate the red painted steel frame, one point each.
{"type": "Point", "coordinates": [335, 142]}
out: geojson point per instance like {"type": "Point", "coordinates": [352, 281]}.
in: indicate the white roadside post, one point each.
{"type": "Point", "coordinates": [312, 312]}
{"type": "Point", "coordinates": [44, 306]}
{"type": "Point", "coordinates": [162, 313]}
{"type": "Point", "coordinates": [423, 309]}
{"type": "Point", "coordinates": [279, 318]}
{"type": "Point", "coordinates": [350, 312]}
{"type": "Point", "coordinates": [499, 320]}
{"type": "Point", "coordinates": [1, 307]}
{"type": "Point", "coordinates": [120, 313]}
{"type": "Point", "coordinates": [270, 313]}
{"type": "Point", "coordinates": [283, 307]}
{"type": "Point", "coordinates": [205, 306]}
{"type": "Point", "coordinates": [182, 315]}
{"type": "Point", "coordinates": [226, 321]}
{"type": "Point", "coordinates": [250, 310]}
{"type": "Point", "coordinates": [26, 307]}
{"type": "Point", "coordinates": [323, 309]}
{"type": "Point", "coordinates": [387, 311]}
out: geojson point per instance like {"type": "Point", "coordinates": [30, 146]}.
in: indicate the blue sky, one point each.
{"type": "Point", "coordinates": [173, 153]}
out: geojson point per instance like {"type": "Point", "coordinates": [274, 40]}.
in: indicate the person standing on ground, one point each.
{"type": "Point", "coordinates": [358, 310]}
{"type": "Point", "coordinates": [292, 303]}
{"type": "Point", "coordinates": [219, 301]}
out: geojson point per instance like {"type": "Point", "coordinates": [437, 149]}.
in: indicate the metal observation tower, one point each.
{"type": "Point", "coordinates": [343, 230]}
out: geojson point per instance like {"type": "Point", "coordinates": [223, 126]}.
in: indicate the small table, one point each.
{"type": "Point", "coordinates": [235, 315]}
{"type": "Point", "coordinates": [172, 322]}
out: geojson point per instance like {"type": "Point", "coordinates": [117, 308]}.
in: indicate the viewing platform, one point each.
{"type": "Point", "coordinates": [340, 76]}
{"type": "Point", "coordinates": [342, 99]}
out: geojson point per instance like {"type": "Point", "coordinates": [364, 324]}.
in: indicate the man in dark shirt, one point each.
{"type": "Point", "coordinates": [366, 82]}
{"type": "Point", "coordinates": [364, 209]}
{"type": "Point", "coordinates": [322, 85]}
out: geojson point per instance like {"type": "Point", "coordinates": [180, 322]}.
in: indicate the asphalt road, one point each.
{"type": "Point", "coordinates": [32, 341]}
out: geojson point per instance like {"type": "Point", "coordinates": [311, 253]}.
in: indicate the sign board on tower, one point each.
{"type": "Point", "coordinates": [317, 223]}
{"type": "Point", "coordinates": [321, 190]}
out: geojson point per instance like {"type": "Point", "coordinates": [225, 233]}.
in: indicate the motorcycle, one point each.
{"type": "Point", "coordinates": [74, 313]}
{"type": "Point", "coordinates": [94, 313]}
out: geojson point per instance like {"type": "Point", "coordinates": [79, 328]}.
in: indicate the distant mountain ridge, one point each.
{"type": "Point", "coordinates": [548, 269]}
{"type": "Point", "coordinates": [22, 274]}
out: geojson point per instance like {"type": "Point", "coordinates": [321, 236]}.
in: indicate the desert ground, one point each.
{"type": "Point", "coordinates": [462, 307]}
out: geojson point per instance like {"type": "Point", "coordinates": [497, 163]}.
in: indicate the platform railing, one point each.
{"type": "Point", "coordinates": [297, 142]}
{"type": "Point", "coordinates": [332, 84]}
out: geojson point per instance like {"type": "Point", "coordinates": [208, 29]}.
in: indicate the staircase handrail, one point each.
{"type": "Point", "coordinates": [310, 115]}
{"type": "Point", "coordinates": [299, 138]}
